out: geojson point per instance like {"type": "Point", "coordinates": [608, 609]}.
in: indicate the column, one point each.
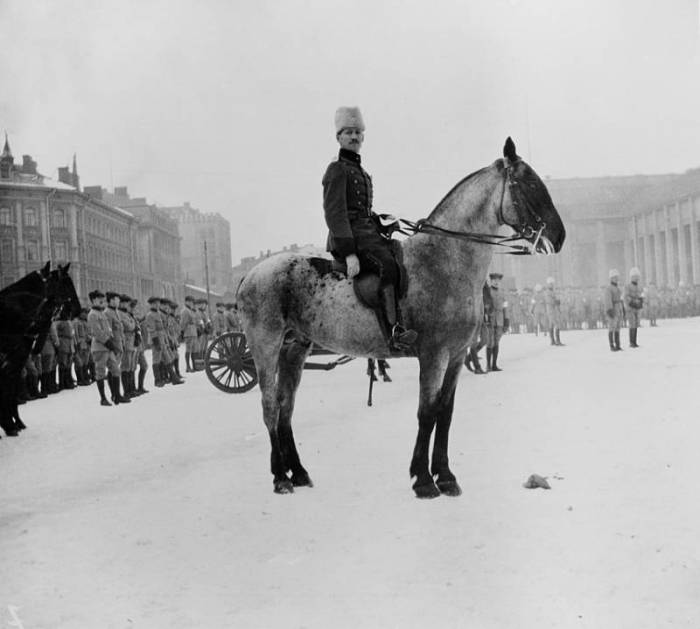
{"type": "Point", "coordinates": [601, 258]}
{"type": "Point", "coordinates": [76, 267]}
{"type": "Point", "coordinates": [44, 219]}
{"type": "Point", "coordinates": [658, 252]}
{"type": "Point", "coordinates": [635, 242]}
{"type": "Point", "coordinates": [682, 253]}
{"type": "Point", "coordinates": [694, 238]}
{"type": "Point", "coordinates": [671, 279]}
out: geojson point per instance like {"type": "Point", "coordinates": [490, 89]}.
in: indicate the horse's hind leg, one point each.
{"type": "Point", "coordinates": [291, 365]}
{"type": "Point", "coordinates": [440, 468]}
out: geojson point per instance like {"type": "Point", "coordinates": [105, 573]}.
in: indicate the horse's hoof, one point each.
{"type": "Point", "coordinates": [302, 480]}
{"type": "Point", "coordinates": [284, 486]}
{"type": "Point", "coordinates": [12, 433]}
{"type": "Point", "coordinates": [449, 488]}
{"type": "Point", "coordinates": [428, 490]}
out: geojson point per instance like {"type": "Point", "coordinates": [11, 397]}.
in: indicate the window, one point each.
{"type": "Point", "coordinates": [5, 216]}
{"type": "Point", "coordinates": [30, 217]}
{"type": "Point", "coordinates": [59, 218]}
{"type": "Point", "coordinates": [60, 250]}
{"type": "Point", "coordinates": [7, 251]}
{"type": "Point", "coordinates": [32, 251]}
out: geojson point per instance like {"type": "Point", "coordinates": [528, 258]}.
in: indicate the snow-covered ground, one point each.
{"type": "Point", "coordinates": [161, 513]}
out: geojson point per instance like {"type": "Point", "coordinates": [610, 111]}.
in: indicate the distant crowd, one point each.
{"type": "Point", "coordinates": [584, 308]}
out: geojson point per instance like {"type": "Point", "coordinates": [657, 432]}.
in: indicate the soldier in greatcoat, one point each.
{"type": "Point", "coordinates": [354, 237]}
{"type": "Point", "coordinates": [140, 342]}
{"type": "Point", "coordinates": [219, 320]}
{"type": "Point", "coordinates": [634, 301]}
{"type": "Point", "coordinates": [188, 329]}
{"type": "Point", "coordinates": [129, 355]}
{"type": "Point", "coordinates": [497, 322]}
{"type": "Point", "coordinates": [82, 348]}
{"type": "Point", "coordinates": [480, 336]}
{"type": "Point", "coordinates": [65, 351]}
{"type": "Point", "coordinates": [115, 371]}
{"type": "Point", "coordinates": [102, 346]}
{"type": "Point", "coordinates": [232, 323]}
{"type": "Point", "coordinates": [614, 310]}
{"type": "Point", "coordinates": [552, 304]}
{"type": "Point", "coordinates": [173, 332]}
{"type": "Point", "coordinates": [538, 310]}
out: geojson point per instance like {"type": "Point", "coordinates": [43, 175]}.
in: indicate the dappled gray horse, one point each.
{"type": "Point", "coordinates": [290, 301]}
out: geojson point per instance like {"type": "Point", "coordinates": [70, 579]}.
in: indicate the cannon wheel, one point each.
{"type": "Point", "coordinates": [229, 363]}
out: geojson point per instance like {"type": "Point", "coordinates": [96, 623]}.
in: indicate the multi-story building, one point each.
{"type": "Point", "coordinates": [42, 219]}
{"type": "Point", "coordinates": [200, 230]}
{"type": "Point", "coordinates": [157, 244]}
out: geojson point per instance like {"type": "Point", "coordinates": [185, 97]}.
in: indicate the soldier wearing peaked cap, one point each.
{"type": "Point", "coordinates": [552, 303]}
{"type": "Point", "coordinates": [219, 320]}
{"type": "Point", "coordinates": [496, 322]}
{"type": "Point", "coordinates": [353, 233]}
{"type": "Point", "coordinates": [188, 330]}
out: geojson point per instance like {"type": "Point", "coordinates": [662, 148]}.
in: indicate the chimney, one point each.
{"type": "Point", "coordinates": [64, 175]}
{"type": "Point", "coordinates": [121, 191]}
{"type": "Point", "coordinates": [28, 165]}
{"type": "Point", "coordinates": [93, 191]}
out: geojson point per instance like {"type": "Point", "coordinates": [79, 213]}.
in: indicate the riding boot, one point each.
{"type": "Point", "coordinates": [173, 376]}
{"type": "Point", "coordinates": [636, 330]}
{"type": "Point", "coordinates": [551, 337]}
{"type": "Point", "coordinates": [101, 388]}
{"type": "Point", "coordinates": [494, 358]}
{"type": "Point", "coordinates": [558, 340]}
{"type": "Point", "coordinates": [611, 340]}
{"type": "Point", "coordinates": [117, 397]}
{"type": "Point", "coordinates": [158, 375]}
{"type": "Point", "coordinates": [399, 337]}
{"type": "Point", "coordinates": [68, 378]}
{"type": "Point", "coordinates": [125, 384]}
{"type": "Point", "coordinates": [188, 369]}
{"type": "Point", "coordinates": [33, 385]}
{"type": "Point", "coordinates": [488, 359]}
{"type": "Point", "coordinates": [142, 376]}
{"type": "Point", "coordinates": [176, 364]}
{"type": "Point", "coordinates": [617, 341]}
{"type": "Point", "coordinates": [633, 337]}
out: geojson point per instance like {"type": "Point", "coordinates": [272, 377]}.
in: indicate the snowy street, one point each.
{"type": "Point", "coordinates": [161, 513]}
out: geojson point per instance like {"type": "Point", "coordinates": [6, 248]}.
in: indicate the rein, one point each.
{"type": "Point", "coordinates": [409, 228]}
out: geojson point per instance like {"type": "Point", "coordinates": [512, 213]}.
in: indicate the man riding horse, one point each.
{"type": "Point", "coordinates": [354, 236]}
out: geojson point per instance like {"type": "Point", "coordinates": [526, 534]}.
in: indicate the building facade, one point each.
{"type": "Point", "coordinates": [651, 222]}
{"type": "Point", "coordinates": [205, 246]}
{"type": "Point", "coordinates": [157, 244]}
{"type": "Point", "coordinates": [42, 219]}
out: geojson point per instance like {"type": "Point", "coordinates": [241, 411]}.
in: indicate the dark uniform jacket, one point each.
{"type": "Point", "coordinates": [117, 327]}
{"type": "Point", "coordinates": [347, 204]}
{"type": "Point", "coordinates": [99, 328]}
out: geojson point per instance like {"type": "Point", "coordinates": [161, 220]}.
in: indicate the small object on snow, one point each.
{"type": "Point", "coordinates": [536, 481]}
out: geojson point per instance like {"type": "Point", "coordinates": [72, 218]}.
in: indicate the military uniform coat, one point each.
{"type": "Point", "coordinates": [188, 323]}
{"type": "Point", "coordinates": [117, 328]}
{"type": "Point", "coordinates": [634, 302]}
{"type": "Point", "coordinates": [612, 303]}
{"type": "Point", "coordinates": [100, 330]}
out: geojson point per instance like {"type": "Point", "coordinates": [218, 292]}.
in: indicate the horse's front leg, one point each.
{"type": "Point", "coordinates": [440, 467]}
{"type": "Point", "coordinates": [432, 370]}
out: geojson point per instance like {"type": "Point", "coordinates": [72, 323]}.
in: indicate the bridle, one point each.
{"type": "Point", "coordinates": [522, 231]}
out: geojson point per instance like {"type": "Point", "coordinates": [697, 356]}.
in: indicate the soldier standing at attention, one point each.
{"type": "Point", "coordinates": [219, 320]}
{"type": "Point", "coordinates": [115, 371]}
{"type": "Point", "coordinates": [634, 302]}
{"type": "Point", "coordinates": [538, 309]}
{"type": "Point", "coordinates": [188, 329]}
{"type": "Point", "coordinates": [612, 302]}
{"type": "Point", "coordinates": [353, 233]}
{"type": "Point", "coordinates": [129, 326]}
{"type": "Point", "coordinates": [66, 348]}
{"type": "Point", "coordinates": [232, 324]}
{"type": "Point", "coordinates": [553, 308]}
{"type": "Point", "coordinates": [651, 296]}
{"type": "Point", "coordinates": [497, 322]}
{"type": "Point", "coordinates": [102, 345]}
{"type": "Point", "coordinates": [206, 331]}
{"type": "Point", "coordinates": [154, 325]}
{"type": "Point", "coordinates": [140, 346]}
{"type": "Point", "coordinates": [82, 348]}
{"type": "Point", "coordinates": [173, 330]}
{"type": "Point", "coordinates": [471, 362]}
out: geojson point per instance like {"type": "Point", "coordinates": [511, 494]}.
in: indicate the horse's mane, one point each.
{"type": "Point", "coordinates": [458, 185]}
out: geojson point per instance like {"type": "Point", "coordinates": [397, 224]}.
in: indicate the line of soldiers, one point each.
{"type": "Point", "coordinates": [584, 308]}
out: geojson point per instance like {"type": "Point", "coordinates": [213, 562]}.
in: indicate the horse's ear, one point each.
{"type": "Point", "coordinates": [46, 269]}
{"type": "Point", "coordinates": [65, 268]}
{"type": "Point", "coordinates": [509, 150]}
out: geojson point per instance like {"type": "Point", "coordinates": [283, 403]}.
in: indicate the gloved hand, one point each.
{"type": "Point", "coordinates": [506, 324]}
{"type": "Point", "coordinates": [353, 264]}
{"type": "Point", "coordinates": [109, 344]}
{"type": "Point", "coordinates": [610, 312]}
{"type": "Point", "coordinates": [155, 341]}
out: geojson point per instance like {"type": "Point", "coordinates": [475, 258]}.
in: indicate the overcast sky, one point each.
{"type": "Point", "coordinates": [229, 105]}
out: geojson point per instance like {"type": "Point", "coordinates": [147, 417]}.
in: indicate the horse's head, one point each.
{"type": "Point", "coordinates": [62, 290]}
{"type": "Point", "coordinates": [526, 205]}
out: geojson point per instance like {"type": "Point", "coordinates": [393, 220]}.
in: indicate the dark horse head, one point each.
{"type": "Point", "coordinates": [527, 207]}
{"type": "Point", "coordinates": [61, 291]}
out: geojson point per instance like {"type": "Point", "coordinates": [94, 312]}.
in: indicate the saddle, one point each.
{"type": "Point", "coordinates": [366, 285]}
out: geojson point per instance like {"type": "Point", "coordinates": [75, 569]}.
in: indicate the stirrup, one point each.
{"type": "Point", "coordinates": [401, 338]}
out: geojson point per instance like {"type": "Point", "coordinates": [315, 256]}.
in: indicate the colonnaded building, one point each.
{"type": "Point", "coordinates": [134, 250]}
{"type": "Point", "coordinates": [651, 222]}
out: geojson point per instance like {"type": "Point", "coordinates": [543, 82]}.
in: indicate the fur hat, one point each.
{"type": "Point", "coordinates": [189, 298]}
{"type": "Point", "coordinates": [550, 280]}
{"type": "Point", "coordinates": [153, 300]}
{"type": "Point", "coordinates": [94, 294]}
{"type": "Point", "coordinates": [613, 273]}
{"type": "Point", "coordinates": [495, 276]}
{"type": "Point", "coordinates": [634, 272]}
{"type": "Point", "coordinates": [111, 295]}
{"type": "Point", "coordinates": [348, 117]}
